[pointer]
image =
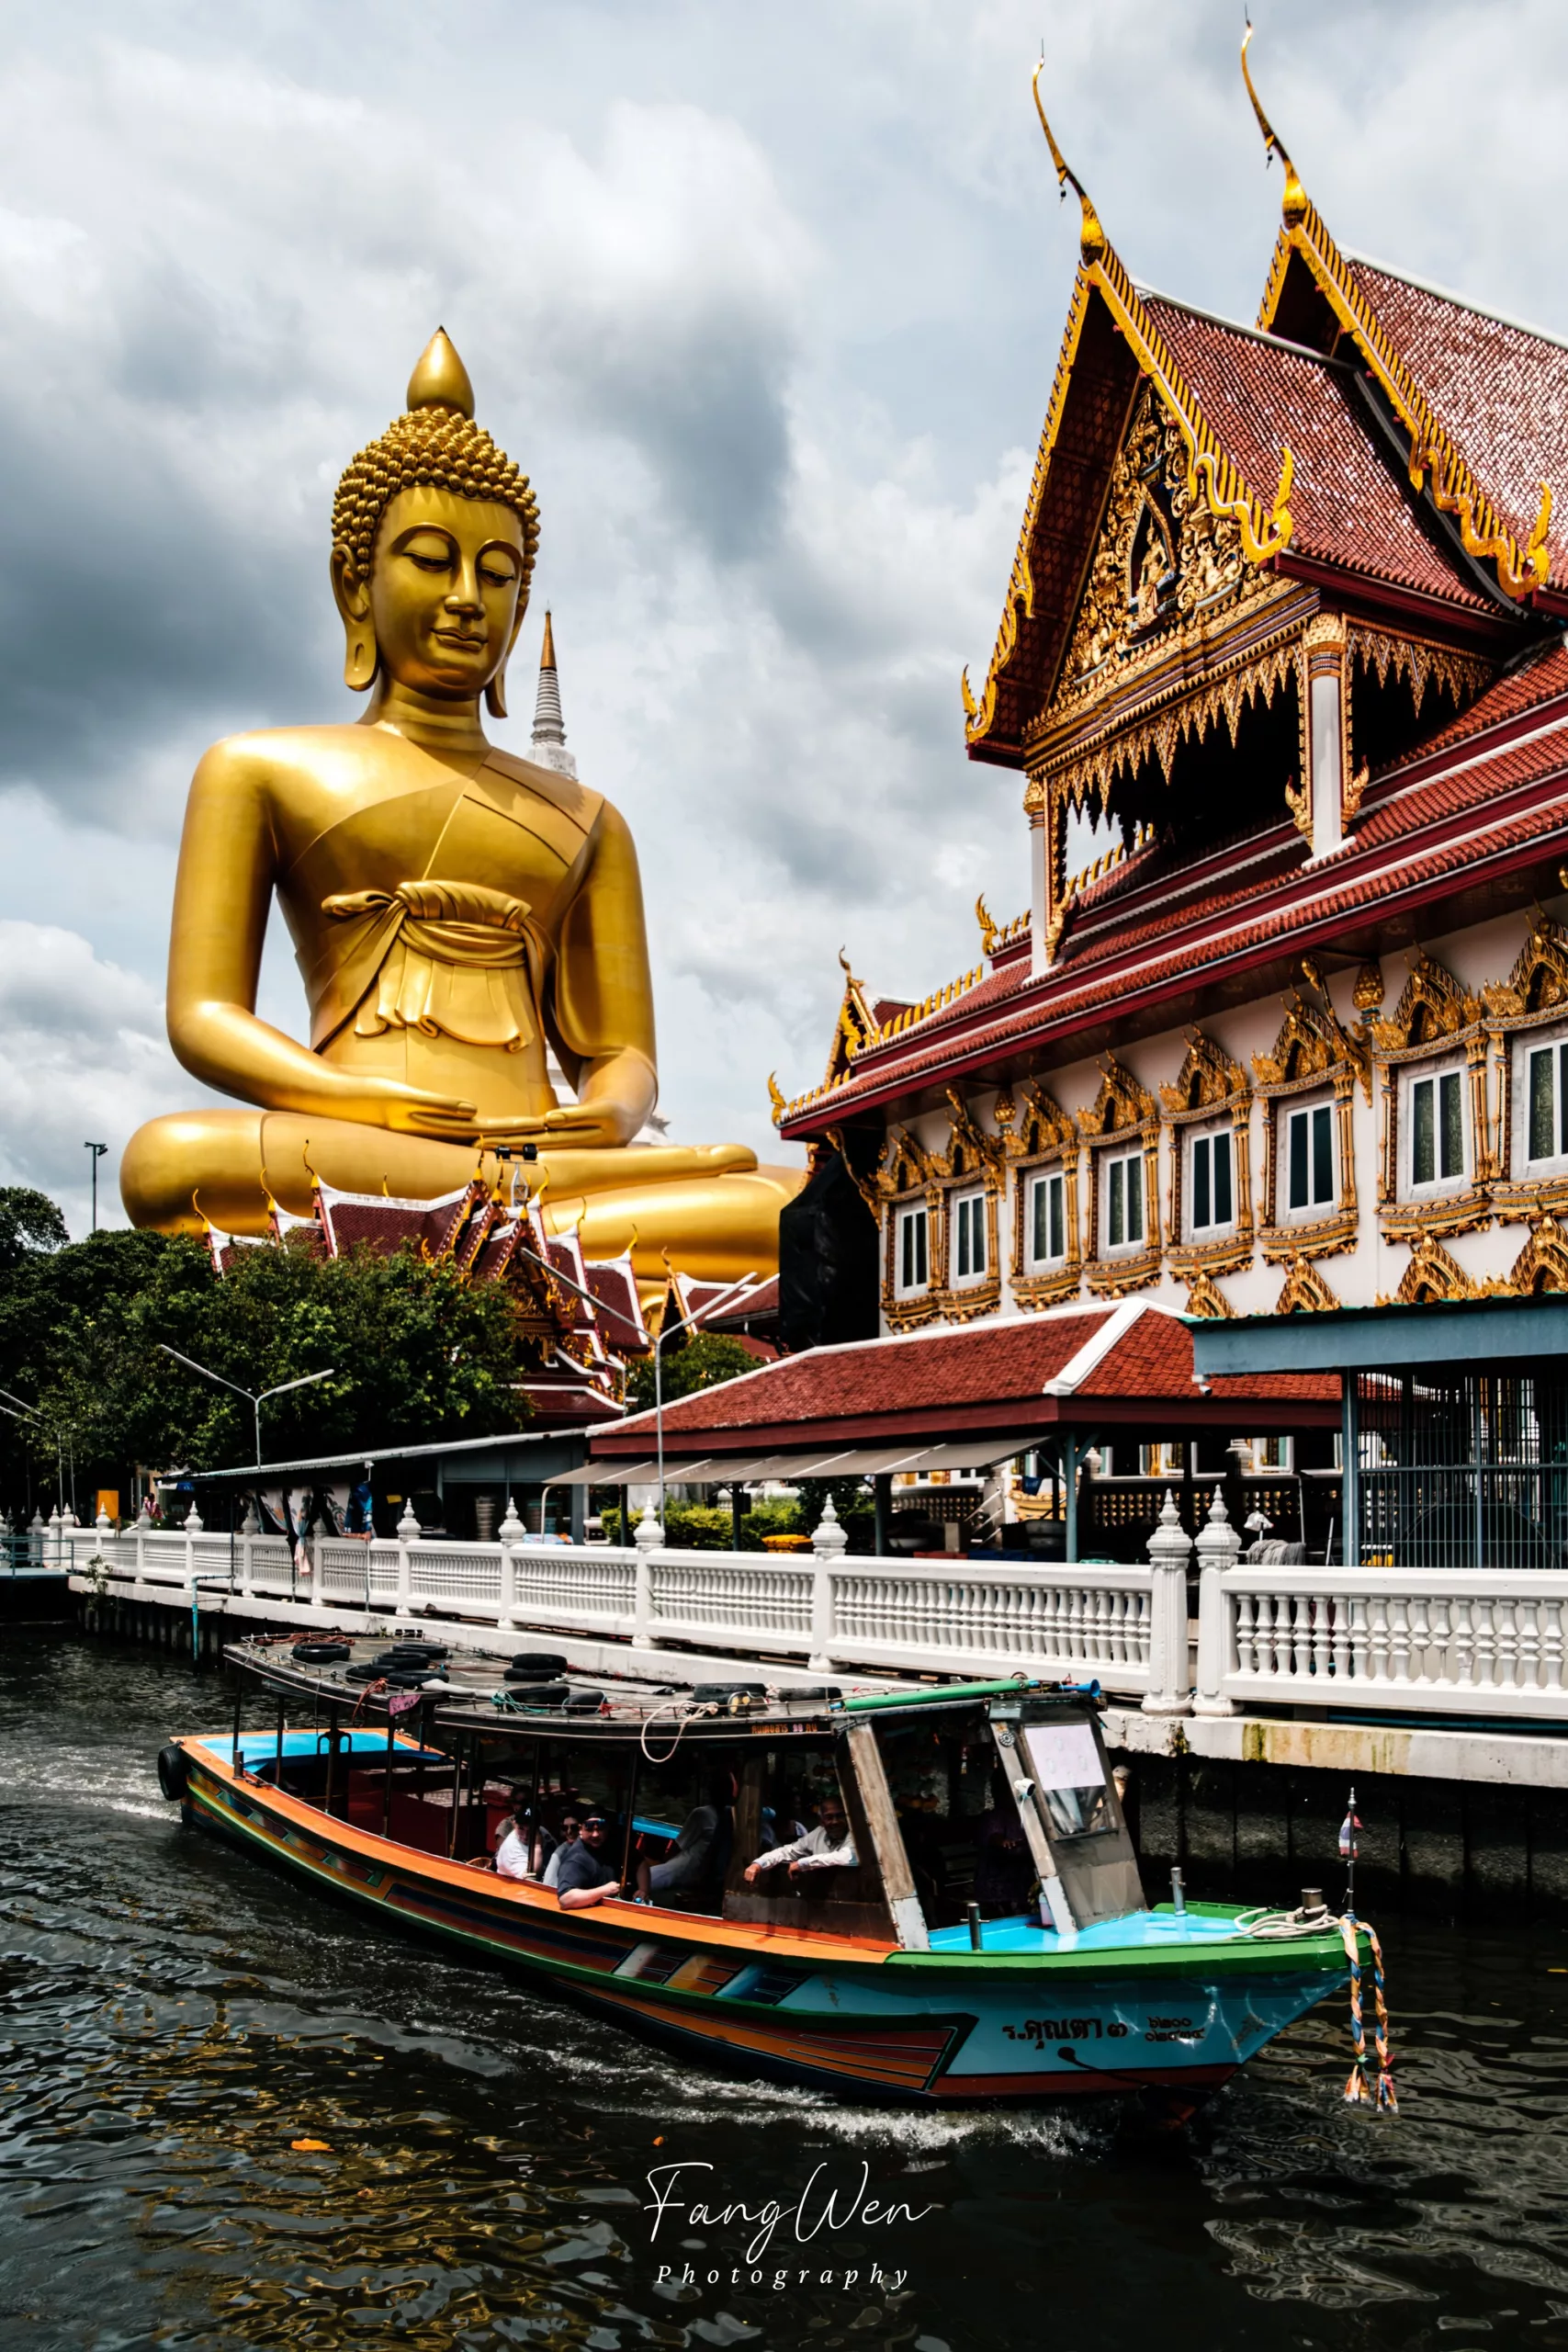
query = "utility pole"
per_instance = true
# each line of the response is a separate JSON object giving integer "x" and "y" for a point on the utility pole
{"x": 97, "y": 1150}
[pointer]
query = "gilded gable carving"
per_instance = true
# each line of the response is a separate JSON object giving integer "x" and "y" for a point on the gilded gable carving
{"x": 1543, "y": 1263}
{"x": 1305, "y": 1291}
{"x": 1208, "y": 1080}
{"x": 971, "y": 1152}
{"x": 1538, "y": 981}
{"x": 1432, "y": 1006}
{"x": 1162, "y": 555}
{"x": 1043, "y": 1126}
{"x": 1208, "y": 1301}
{"x": 1120, "y": 1104}
{"x": 1433, "y": 1277}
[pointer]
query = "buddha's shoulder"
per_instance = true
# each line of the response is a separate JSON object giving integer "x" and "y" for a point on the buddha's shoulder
{"x": 562, "y": 792}
{"x": 267, "y": 753}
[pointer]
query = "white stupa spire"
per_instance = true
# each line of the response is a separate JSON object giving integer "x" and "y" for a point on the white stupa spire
{"x": 548, "y": 745}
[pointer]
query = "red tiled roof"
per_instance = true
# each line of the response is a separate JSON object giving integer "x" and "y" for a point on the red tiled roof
{"x": 1425, "y": 830}
{"x": 1499, "y": 390}
{"x": 1262, "y": 396}
{"x": 976, "y": 1375}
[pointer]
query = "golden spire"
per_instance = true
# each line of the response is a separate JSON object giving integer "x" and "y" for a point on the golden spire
{"x": 547, "y": 650}
{"x": 1295, "y": 203}
{"x": 440, "y": 379}
{"x": 1091, "y": 236}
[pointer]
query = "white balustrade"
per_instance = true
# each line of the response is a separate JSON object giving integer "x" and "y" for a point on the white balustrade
{"x": 1399, "y": 1641}
{"x": 1426, "y": 1641}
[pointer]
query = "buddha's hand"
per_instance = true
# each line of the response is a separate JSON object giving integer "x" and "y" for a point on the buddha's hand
{"x": 584, "y": 1124}
{"x": 409, "y": 1111}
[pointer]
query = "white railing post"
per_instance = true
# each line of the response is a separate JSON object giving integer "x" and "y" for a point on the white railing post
{"x": 53, "y": 1542}
{"x": 647, "y": 1537}
{"x": 1170, "y": 1682}
{"x": 193, "y": 1529}
{"x": 407, "y": 1533}
{"x": 828, "y": 1545}
{"x": 1218, "y": 1547}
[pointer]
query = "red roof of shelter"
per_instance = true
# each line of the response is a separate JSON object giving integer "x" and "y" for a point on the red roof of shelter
{"x": 983, "y": 1376}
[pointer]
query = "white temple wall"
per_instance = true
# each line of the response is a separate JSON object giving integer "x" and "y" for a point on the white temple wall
{"x": 1356, "y": 1263}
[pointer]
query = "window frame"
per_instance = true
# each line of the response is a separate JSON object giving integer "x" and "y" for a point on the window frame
{"x": 904, "y": 1218}
{"x": 966, "y": 1217}
{"x": 1310, "y": 1109}
{"x": 1432, "y": 1071}
{"x": 1123, "y": 1156}
{"x": 1038, "y": 1182}
{"x": 1527, "y": 1045}
{"x": 1218, "y": 1228}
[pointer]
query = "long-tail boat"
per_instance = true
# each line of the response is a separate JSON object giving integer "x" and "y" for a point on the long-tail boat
{"x": 882, "y": 1975}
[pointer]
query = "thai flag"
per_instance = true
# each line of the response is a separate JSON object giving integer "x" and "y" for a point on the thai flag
{"x": 1348, "y": 1829}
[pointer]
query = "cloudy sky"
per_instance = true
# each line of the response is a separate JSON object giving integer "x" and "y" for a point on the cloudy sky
{"x": 766, "y": 301}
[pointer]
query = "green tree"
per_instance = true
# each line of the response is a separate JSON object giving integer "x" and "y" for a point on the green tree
{"x": 29, "y": 1221}
{"x": 415, "y": 1352}
{"x": 704, "y": 1361}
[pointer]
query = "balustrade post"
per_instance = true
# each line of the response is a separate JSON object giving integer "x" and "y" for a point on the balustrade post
{"x": 1218, "y": 1548}
{"x": 1170, "y": 1678}
{"x": 828, "y": 1545}
{"x": 407, "y": 1533}
{"x": 648, "y": 1536}
{"x": 193, "y": 1524}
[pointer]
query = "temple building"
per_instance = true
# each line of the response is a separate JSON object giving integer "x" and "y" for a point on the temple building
{"x": 1284, "y": 642}
{"x": 574, "y": 1348}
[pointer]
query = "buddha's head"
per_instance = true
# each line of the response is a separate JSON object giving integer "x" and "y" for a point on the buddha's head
{"x": 434, "y": 532}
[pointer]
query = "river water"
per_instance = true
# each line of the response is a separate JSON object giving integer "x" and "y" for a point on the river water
{"x": 176, "y": 2019}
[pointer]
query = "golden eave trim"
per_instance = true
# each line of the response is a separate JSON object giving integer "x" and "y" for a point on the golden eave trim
{"x": 1454, "y": 489}
{"x": 1210, "y": 475}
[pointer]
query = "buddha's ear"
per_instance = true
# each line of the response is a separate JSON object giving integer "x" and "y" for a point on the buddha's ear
{"x": 362, "y": 655}
{"x": 495, "y": 692}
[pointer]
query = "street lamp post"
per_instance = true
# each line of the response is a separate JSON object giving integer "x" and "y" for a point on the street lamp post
{"x": 255, "y": 1400}
{"x": 97, "y": 1150}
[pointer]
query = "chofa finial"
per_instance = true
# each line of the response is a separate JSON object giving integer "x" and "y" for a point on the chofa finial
{"x": 1295, "y": 203}
{"x": 440, "y": 379}
{"x": 1091, "y": 236}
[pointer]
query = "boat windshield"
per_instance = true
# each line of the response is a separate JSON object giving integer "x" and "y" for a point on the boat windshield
{"x": 1070, "y": 1773}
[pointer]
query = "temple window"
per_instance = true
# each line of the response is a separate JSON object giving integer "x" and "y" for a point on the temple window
{"x": 1542, "y": 1089}
{"x": 969, "y": 1252}
{"x": 1211, "y": 1184}
{"x": 1122, "y": 1174}
{"x": 1047, "y": 1220}
{"x": 913, "y": 1248}
{"x": 1309, "y": 1159}
{"x": 1434, "y": 1127}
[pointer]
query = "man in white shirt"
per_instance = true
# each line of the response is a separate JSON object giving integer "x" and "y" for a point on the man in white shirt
{"x": 828, "y": 1847}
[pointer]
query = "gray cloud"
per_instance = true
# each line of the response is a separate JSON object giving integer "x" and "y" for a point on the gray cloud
{"x": 767, "y": 303}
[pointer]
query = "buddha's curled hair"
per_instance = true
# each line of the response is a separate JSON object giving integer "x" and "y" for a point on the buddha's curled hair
{"x": 438, "y": 447}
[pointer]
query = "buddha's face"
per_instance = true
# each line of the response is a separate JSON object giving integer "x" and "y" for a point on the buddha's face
{"x": 443, "y": 589}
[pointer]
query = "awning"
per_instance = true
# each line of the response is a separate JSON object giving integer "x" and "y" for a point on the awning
{"x": 757, "y": 1469}
{"x": 678, "y": 1469}
{"x": 975, "y": 1454}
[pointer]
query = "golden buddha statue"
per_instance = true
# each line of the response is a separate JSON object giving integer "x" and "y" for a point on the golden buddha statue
{"x": 455, "y": 910}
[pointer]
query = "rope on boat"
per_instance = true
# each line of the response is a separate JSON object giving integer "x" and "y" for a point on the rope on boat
{"x": 1360, "y": 2086}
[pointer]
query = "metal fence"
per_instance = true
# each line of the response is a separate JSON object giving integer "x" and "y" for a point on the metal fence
{"x": 1463, "y": 1470}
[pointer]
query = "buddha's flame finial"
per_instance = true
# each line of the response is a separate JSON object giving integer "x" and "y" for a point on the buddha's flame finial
{"x": 1091, "y": 236}
{"x": 1296, "y": 202}
{"x": 440, "y": 379}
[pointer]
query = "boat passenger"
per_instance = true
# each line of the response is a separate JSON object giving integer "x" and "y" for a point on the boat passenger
{"x": 828, "y": 1847}
{"x": 585, "y": 1876}
{"x": 511, "y": 1854}
{"x": 570, "y": 1830}
{"x": 517, "y": 1822}
{"x": 686, "y": 1867}
{"x": 1004, "y": 1869}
